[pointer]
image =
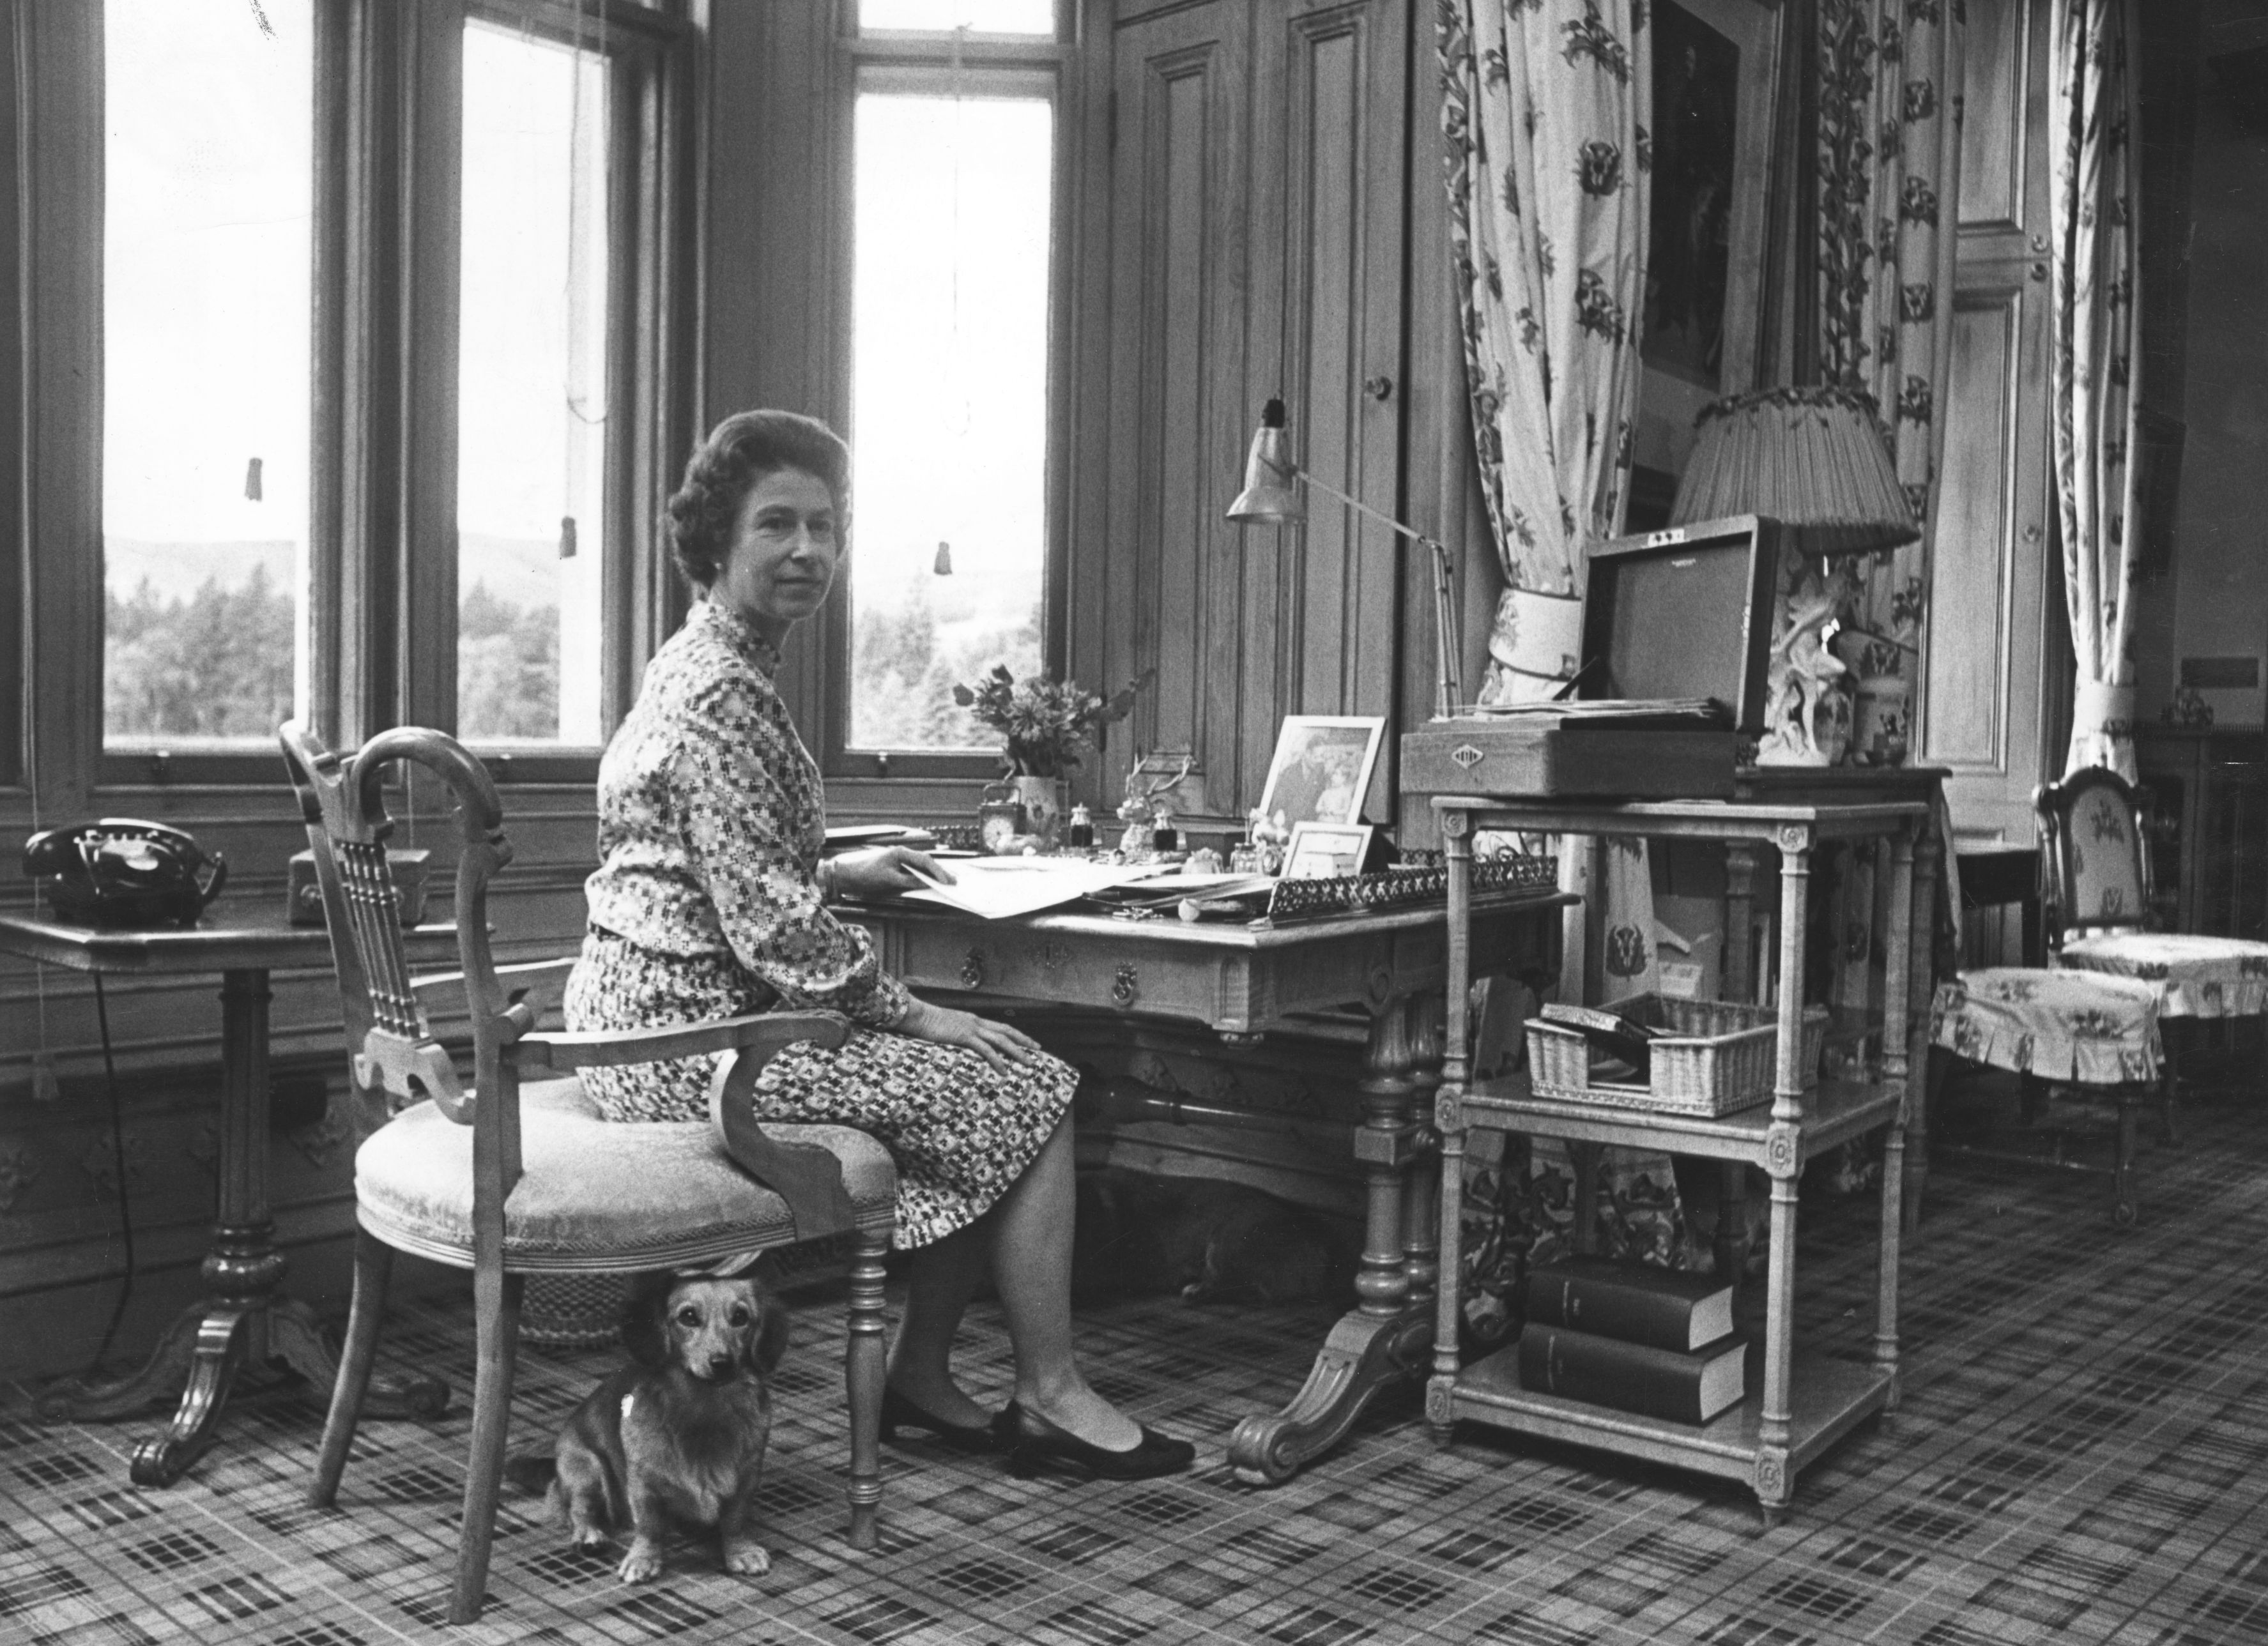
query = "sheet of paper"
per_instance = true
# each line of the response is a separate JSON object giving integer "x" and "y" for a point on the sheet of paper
{"x": 997, "y": 887}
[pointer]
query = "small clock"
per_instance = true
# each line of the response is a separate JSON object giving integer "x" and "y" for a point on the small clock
{"x": 997, "y": 821}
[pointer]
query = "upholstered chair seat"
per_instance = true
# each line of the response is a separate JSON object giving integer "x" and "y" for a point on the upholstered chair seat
{"x": 2084, "y": 1029}
{"x": 2194, "y": 976}
{"x": 594, "y": 1197}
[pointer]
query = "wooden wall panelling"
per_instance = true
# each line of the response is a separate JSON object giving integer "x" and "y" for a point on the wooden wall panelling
{"x": 1986, "y": 713}
{"x": 58, "y": 51}
{"x": 1330, "y": 176}
{"x": 1982, "y": 716}
{"x": 777, "y": 136}
{"x": 1172, "y": 564}
{"x": 1259, "y": 197}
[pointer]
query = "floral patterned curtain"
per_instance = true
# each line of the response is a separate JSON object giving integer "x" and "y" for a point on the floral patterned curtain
{"x": 2095, "y": 387}
{"x": 1544, "y": 112}
{"x": 1545, "y": 105}
{"x": 1889, "y": 171}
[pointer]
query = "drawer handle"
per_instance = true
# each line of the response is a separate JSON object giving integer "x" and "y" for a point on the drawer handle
{"x": 972, "y": 969}
{"x": 1126, "y": 988}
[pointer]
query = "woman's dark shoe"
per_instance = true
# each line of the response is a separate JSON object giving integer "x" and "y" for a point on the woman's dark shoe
{"x": 1040, "y": 1445}
{"x": 899, "y": 1413}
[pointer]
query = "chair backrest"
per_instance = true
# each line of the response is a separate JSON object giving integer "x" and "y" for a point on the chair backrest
{"x": 2097, "y": 873}
{"x": 389, "y": 1041}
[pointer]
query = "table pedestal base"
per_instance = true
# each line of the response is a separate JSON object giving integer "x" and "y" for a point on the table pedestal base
{"x": 1363, "y": 1355}
{"x": 199, "y": 1355}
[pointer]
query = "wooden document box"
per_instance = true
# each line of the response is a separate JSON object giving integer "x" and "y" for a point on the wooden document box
{"x": 1545, "y": 754}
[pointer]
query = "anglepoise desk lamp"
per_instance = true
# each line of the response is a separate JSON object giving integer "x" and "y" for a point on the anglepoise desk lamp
{"x": 1271, "y": 497}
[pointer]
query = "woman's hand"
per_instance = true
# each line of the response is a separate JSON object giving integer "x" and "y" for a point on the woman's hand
{"x": 998, "y": 1044}
{"x": 883, "y": 871}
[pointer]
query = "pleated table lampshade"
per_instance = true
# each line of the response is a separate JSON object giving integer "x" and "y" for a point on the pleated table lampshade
{"x": 1814, "y": 459}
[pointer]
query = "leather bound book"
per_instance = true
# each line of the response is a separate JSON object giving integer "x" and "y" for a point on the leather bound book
{"x": 1689, "y": 1386}
{"x": 1637, "y": 1303}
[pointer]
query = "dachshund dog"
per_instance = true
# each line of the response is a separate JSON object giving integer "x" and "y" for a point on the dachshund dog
{"x": 681, "y": 1429}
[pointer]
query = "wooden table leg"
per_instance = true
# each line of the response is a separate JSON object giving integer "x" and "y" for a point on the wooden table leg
{"x": 1921, "y": 985}
{"x": 1774, "y": 1478}
{"x": 244, "y": 1319}
{"x": 1386, "y": 1337}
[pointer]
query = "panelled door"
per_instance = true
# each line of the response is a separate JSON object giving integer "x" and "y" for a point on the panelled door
{"x": 1256, "y": 249}
{"x": 1986, "y": 715}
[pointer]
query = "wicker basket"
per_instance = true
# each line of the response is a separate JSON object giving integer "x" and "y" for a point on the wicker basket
{"x": 1718, "y": 1058}
{"x": 572, "y": 1310}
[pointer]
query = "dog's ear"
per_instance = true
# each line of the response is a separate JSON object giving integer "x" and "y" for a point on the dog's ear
{"x": 644, "y": 1312}
{"x": 769, "y": 1342}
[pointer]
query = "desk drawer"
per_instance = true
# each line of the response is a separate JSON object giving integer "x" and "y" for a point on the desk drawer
{"x": 1068, "y": 968}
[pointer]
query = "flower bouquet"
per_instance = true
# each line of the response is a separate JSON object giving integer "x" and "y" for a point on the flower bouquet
{"x": 1046, "y": 726}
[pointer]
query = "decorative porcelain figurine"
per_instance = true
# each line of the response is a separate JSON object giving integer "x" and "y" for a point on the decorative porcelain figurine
{"x": 1801, "y": 679}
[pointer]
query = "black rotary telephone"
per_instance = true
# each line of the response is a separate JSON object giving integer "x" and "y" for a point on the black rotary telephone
{"x": 124, "y": 873}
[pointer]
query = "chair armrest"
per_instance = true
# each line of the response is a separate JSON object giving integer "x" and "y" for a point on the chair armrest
{"x": 766, "y": 1034}
{"x": 808, "y": 1176}
{"x": 540, "y": 983}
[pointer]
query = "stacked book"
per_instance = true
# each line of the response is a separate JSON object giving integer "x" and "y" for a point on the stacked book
{"x": 1634, "y": 1337}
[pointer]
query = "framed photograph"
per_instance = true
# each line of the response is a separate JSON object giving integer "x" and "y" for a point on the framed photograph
{"x": 1324, "y": 851}
{"x": 1322, "y": 769}
{"x": 1716, "y": 67}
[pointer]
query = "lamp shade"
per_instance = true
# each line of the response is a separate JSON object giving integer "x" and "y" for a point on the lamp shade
{"x": 1268, "y": 497}
{"x": 1813, "y": 458}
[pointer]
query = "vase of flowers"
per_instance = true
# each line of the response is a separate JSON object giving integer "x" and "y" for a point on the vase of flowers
{"x": 1047, "y": 728}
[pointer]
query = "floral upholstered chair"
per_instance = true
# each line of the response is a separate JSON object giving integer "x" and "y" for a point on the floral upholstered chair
{"x": 2081, "y": 1029}
{"x": 2098, "y": 912}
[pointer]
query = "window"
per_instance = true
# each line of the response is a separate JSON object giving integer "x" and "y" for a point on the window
{"x": 955, "y": 185}
{"x": 207, "y": 261}
{"x": 948, "y": 407}
{"x": 989, "y": 17}
{"x": 533, "y": 390}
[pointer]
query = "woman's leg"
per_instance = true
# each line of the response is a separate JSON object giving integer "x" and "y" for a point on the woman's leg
{"x": 939, "y": 1283}
{"x": 1032, "y": 1227}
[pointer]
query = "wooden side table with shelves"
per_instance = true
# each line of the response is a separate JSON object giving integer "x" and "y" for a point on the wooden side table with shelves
{"x": 1802, "y": 1405}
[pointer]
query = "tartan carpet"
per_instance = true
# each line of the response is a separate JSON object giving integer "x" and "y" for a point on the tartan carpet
{"x": 2081, "y": 1456}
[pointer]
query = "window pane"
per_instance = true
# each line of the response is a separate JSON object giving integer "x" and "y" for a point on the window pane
{"x": 531, "y": 391}
{"x": 986, "y": 17}
{"x": 949, "y": 407}
{"x": 207, "y": 344}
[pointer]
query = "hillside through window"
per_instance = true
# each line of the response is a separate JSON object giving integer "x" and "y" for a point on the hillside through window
{"x": 949, "y": 407}
{"x": 531, "y": 391}
{"x": 207, "y": 351}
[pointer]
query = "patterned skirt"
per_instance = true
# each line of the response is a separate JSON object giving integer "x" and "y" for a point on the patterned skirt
{"x": 959, "y": 1130}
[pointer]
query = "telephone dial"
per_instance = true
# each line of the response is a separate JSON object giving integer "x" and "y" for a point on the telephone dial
{"x": 124, "y": 873}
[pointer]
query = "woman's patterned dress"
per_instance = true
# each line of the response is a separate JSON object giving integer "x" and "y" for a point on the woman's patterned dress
{"x": 705, "y": 905}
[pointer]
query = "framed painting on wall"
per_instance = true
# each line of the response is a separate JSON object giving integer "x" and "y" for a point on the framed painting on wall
{"x": 1716, "y": 71}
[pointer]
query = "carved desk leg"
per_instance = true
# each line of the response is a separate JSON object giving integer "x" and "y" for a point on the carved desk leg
{"x": 1385, "y": 1338}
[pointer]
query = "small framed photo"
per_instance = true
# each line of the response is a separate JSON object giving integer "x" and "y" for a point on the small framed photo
{"x": 1322, "y": 769}
{"x": 1326, "y": 851}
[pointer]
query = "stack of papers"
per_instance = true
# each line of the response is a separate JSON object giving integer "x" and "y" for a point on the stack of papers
{"x": 997, "y": 887}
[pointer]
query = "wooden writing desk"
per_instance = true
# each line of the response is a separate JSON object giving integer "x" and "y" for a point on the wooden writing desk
{"x": 245, "y": 1316}
{"x": 1244, "y": 983}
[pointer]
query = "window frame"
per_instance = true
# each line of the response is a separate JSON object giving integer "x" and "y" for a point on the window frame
{"x": 908, "y": 62}
{"x": 381, "y": 627}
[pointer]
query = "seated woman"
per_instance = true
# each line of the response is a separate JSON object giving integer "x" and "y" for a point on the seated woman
{"x": 710, "y": 901}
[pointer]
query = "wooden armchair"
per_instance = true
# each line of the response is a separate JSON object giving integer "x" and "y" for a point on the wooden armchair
{"x": 513, "y": 1176}
{"x": 2097, "y": 910}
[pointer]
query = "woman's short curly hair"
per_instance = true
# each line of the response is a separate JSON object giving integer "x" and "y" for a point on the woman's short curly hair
{"x": 705, "y": 510}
